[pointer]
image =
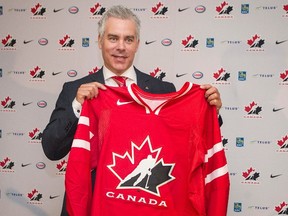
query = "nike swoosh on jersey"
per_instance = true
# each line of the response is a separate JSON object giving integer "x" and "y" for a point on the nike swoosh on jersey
{"x": 149, "y": 42}
{"x": 279, "y": 42}
{"x": 57, "y": 10}
{"x": 120, "y": 103}
{"x": 274, "y": 176}
{"x": 182, "y": 9}
{"x": 180, "y": 75}
{"x": 276, "y": 110}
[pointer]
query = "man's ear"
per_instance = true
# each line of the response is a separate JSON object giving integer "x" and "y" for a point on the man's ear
{"x": 99, "y": 42}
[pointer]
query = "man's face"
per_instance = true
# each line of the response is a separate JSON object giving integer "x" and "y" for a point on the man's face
{"x": 118, "y": 44}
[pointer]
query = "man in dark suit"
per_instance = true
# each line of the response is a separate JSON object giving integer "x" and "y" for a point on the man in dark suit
{"x": 118, "y": 40}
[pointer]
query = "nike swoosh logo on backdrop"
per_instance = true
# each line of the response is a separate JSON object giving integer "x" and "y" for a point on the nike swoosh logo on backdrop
{"x": 279, "y": 42}
{"x": 274, "y": 176}
{"x": 120, "y": 103}
{"x": 26, "y": 42}
{"x": 56, "y": 73}
{"x": 182, "y": 9}
{"x": 25, "y": 104}
{"x": 53, "y": 197}
{"x": 57, "y": 10}
{"x": 24, "y": 165}
{"x": 180, "y": 75}
{"x": 149, "y": 42}
{"x": 276, "y": 110}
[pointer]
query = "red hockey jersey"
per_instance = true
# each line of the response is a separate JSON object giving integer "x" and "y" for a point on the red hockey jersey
{"x": 155, "y": 154}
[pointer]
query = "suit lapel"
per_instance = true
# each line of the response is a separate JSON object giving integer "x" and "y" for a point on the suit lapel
{"x": 98, "y": 76}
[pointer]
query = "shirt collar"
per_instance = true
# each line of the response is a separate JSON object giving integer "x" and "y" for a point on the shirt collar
{"x": 129, "y": 73}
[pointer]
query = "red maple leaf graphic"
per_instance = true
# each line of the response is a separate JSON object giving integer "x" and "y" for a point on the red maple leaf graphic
{"x": 94, "y": 9}
{"x": 155, "y": 9}
{"x": 249, "y": 108}
{"x": 281, "y": 142}
{"x": 32, "y": 134}
{"x": 254, "y": 38}
{"x": 62, "y": 41}
{"x": 30, "y": 195}
{"x": 246, "y": 174}
{"x": 282, "y": 205}
{"x": 61, "y": 165}
{"x": 3, "y": 103}
{"x": 5, "y": 40}
{"x": 34, "y": 10}
{"x": 185, "y": 42}
{"x": 284, "y": 75}
{"x": 94, "y": 70}
{"x": 220, "y": 8}
{"x": 33, "y": 72}
{"x": 218, "y": 74}
{"x": 285, "y": 7}
{"x": 153, "y": 74}
{"x": 2, "y": 163}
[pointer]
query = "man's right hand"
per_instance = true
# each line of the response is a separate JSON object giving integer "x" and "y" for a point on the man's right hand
{"x": 88, "y": 91}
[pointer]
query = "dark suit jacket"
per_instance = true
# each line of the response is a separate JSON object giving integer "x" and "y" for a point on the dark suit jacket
{"x": 58, "y": 134}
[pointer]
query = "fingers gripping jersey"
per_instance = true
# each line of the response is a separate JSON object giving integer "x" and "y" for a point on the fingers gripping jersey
{"x": 155, "y": 154}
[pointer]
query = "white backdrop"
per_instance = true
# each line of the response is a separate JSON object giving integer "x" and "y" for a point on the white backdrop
{"x": 238, "y": 46}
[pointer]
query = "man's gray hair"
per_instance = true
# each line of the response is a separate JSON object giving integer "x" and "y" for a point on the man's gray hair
{"x": 120, "y": 12}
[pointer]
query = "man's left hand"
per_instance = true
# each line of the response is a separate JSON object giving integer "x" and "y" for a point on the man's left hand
{"x": 212, "y": 95}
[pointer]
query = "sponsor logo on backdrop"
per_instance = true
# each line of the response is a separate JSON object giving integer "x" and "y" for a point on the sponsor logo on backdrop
{"x": 138, "y": 9}
{"x": 14, "y": 194}
{"x": 41, "y": 104}
{"x": 0, "y": 133}
{"x": 190, "y": 43}
{"x": 242, "y": 75}
{"x": 244, "y": 8}
{"x": 180, "y": 74}
{"x": 224, "y": 11}
{"x": 159, "y": 11}
{"x": 261, "y": 142}
{"x": 255, "y": 43}
{"x": 37, "y": 74}
{"x": 85, "y": 42}
{"x": 27, "y": 41}
{"x": 266, "y": 7}
{"x": 166, "y": 42}
{"x": 66, "y": 43}
{"x": 97, "y": 11}
{"x": 224, "y": 142}
{"x": 16, "y": 134}
{"x": 17, "y": 10}
{"x": 25, "y": 164}
{"x": 94, "y": 70}
{"x": 56, "y": 10}
{"x": 183, "y": 9}
{"x": 237, "y": 207}
{"x": 231, "y": 42}
{"x": 73, "y": 10}
{"x": 284, "y": 78}
{"x": 282, "y": 208}
{"x": 258, "y": 208}
{"x": 280, "y": 42}
{"x": 250, "y": 176}
{"x": 263, "y": 76}
{"x": 285, "y": 8}
{"x": 230, "y": 108}
{"x": 35, "y": 136}
{"x": 72, "y": 73}
{"x": 38, "y": 12}
{"x": 1, "y": 73}
{"x": 41, "y": 165}
{"x": 6, "y": 165}
{"x": 34, "y": 197}
{"x": 253, "y": 111}
{"x": 283, "y": 144}
{"x": 240, "y": 142}
{"x": 210, "y": 42}
{"x": 197, "y": 75}
{"x": 1, "y": 10}
{"x": 7, "y": 105}
{"x": 61, "y": 167}
{"x": 43, "y": 41}
{"x": 221, "y": 77}
{"x": 200, "y": 9}
{"x": 9, "y": 43}
{"x": 158, "y": 73}
{"x": 149, "y": 42}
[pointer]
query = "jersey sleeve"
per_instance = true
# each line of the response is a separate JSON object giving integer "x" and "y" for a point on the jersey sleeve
{"x": 215, "y": 167}
{"x": 78, "y": 183}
